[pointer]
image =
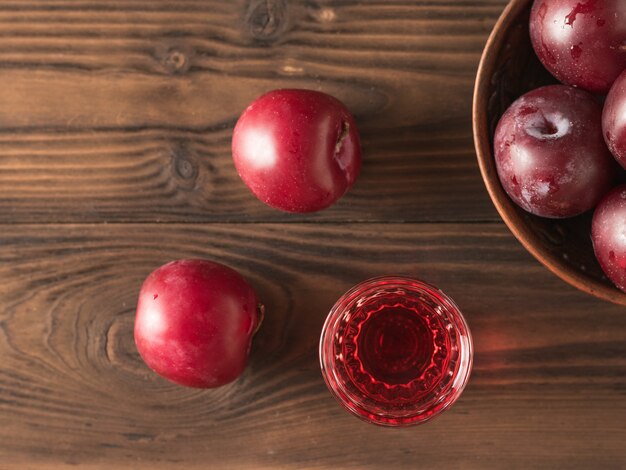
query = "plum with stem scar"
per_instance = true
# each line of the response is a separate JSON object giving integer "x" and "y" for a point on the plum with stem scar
{"x": 550, "y": 154}
{"x": 297, "y": 150}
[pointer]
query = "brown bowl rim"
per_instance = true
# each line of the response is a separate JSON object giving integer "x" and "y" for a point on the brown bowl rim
{"x": 503, "y": 204}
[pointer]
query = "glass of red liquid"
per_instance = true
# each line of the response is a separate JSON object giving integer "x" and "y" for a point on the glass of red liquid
{"x": 395, "y": 351}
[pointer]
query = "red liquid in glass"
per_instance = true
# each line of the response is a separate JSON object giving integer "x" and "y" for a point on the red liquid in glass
{"x": 395, "y": 352}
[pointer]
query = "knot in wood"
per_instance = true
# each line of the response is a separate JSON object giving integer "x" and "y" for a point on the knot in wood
{"x": 184, "y": 166}
{"x": 266, "y": 19}
{"x": 175, "y": 61}
{"x": 119, "y": 345}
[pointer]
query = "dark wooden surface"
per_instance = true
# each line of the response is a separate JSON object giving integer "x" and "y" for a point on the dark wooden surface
{"x": 115, "y": 122}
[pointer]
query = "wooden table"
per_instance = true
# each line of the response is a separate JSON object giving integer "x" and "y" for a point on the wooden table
{"x": 115, "y": 125}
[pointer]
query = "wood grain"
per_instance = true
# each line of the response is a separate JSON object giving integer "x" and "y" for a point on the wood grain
{"x": 115, "y": 132}
{"x": 123, "y": 110}
{"x": 548, "y": 388}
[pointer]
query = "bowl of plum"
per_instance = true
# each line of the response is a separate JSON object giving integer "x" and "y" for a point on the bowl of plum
{"x": 549, "y": 118}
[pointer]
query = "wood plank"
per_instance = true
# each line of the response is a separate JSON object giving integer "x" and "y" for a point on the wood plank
{"x": 153, "y": 175}
{"x": 548, "y": 388}
{"x": 100, "y": 98}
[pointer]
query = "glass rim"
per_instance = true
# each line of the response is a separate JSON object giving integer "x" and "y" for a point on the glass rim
{"x": 348, "y": 400}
